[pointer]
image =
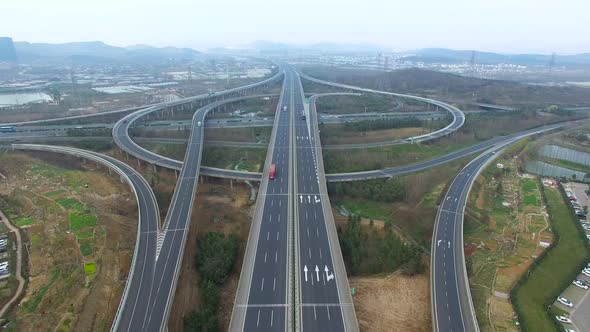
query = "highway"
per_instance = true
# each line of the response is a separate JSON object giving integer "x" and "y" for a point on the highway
{"x": 452, "y": 307}
{"x": 262, "y": 299}
{"x": 325, "y": 302}
{"x": 457, "y": 114}
{"x": 150, "y": 311}
{"x": 143, "y": 264}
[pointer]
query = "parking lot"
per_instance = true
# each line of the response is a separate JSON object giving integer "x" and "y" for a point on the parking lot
{"x": 580, "y": 313}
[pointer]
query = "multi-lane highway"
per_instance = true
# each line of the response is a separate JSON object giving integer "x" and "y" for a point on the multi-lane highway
{"x": 452, "y": 307}
{"x": 262, "y": 298}
{"x": 143, "y": 264}
{"x": 325, "y": 302}
{"x": 293, "y": 235}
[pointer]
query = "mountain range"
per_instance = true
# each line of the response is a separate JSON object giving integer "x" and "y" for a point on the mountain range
{"x": 89, "y": 52}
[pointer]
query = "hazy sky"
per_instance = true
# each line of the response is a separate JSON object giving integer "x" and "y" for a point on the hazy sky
{"x": 561, "y": 26}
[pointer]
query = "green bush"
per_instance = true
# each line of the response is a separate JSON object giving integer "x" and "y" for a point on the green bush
{"x": 216, "y": 256}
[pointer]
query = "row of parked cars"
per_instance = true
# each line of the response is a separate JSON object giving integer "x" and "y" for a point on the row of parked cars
{"x": 581, "y": 283}
{"x": 3, "y": 247}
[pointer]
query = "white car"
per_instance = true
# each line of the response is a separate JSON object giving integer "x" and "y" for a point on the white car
{"x": 563, "y": 319}
{"x": 199, "y": 123}
{"x": 586, "y": 272}
{"x": 580, "y": 284}
{"x": 565, "y": 302}
{"x": 588, "y": 236}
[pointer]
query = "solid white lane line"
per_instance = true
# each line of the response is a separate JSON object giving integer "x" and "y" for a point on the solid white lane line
{"x": 309, "y": 252}
{"x": 315, "y": 315}
{"x": 320, "y": 253}
{"x": 258, "y": 319}
{"x": 328, "y": 308}
{"x": 272, "y": 312}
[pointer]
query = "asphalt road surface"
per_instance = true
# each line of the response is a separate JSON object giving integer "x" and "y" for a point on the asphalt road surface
{"x": 262, "y": 299}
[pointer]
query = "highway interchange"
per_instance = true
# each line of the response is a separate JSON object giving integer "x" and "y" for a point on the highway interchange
{"x": 293, "y": 275}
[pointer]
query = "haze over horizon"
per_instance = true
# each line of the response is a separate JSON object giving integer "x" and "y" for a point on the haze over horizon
{"x": 526, "y": 26}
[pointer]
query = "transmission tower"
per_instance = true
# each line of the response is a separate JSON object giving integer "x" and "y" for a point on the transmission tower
{"x": 552, "y": 62}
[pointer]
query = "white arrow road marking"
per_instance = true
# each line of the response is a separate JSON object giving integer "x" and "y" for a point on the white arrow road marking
{"x": 329, "y": 276}
{"x": 449, "y": 244}
{"x": 308, "y": 199}
{"x": 305, "y": 270}
{"x": 301, "y": 198}
{"x": 317, "y": 272}
{"x": 317, "y": 200}
{"x": 438, "y": 243}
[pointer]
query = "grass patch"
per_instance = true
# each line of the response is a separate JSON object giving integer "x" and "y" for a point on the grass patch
{"x": 529, "y": 186}
{"x": 86, "y": 249}
{"x": 87, "y": 234}
{"x": 48, "y": 171}
{"x": 554, "y": 271}
{"x": 365, "y": 208}
{"x": 32, "y": 305}
{"x": 530, "y": 200}
{"x": 70, "y": 203}
{"x": 23, "y": 221}
{"x": 90, "y": 268}
{"x": 79, "y": 221}
{"x": 54, "y": 192}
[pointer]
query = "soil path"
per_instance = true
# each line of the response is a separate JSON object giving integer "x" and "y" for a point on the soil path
{"x": 19, "y": 256}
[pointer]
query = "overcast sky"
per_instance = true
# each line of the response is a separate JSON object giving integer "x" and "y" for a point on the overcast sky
{"x": 561, "y": 26}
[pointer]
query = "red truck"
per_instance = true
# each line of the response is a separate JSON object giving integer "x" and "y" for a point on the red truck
{"x": 272, "y": 173}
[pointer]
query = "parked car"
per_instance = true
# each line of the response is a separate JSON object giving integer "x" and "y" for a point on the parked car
{"x": 565, "y": 302}
{"x": 586, "y": 272}
{"x": 563, "y": 319}
{"x": 580, "y": 284}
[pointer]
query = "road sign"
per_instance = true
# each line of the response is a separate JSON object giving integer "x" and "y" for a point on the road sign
{"x": 353, "y": 290}
{"x": 307, "y": 100}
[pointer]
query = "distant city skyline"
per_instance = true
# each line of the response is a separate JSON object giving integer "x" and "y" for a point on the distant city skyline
{"x": 505, "y": 26}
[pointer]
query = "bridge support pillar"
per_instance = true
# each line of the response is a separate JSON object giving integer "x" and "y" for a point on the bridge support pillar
{"x": 231, "y": 183}
{"x": 138, "y": 163}
{"x": 154, "y": 167}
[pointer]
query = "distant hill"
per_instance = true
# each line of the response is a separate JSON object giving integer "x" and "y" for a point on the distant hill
{"x": 442, "y": 55}
{"x": 94, "y": 52}
{"x": 269, "y": 47}
{"x": 7, "y": 50}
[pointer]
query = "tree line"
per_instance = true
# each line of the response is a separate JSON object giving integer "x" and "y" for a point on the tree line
{"x": 214, "y": 261}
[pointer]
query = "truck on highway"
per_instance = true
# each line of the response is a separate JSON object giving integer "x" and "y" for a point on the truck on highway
{"x": 272, "y": 172}
{"x": 284, "y": 108}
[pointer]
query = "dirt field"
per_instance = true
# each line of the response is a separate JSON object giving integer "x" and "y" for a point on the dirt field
{"x": 217, "y": 208}
{"x": 392, "y": 303}
{"x": 77, "y": 266}
{"x": 507, "y": 227}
